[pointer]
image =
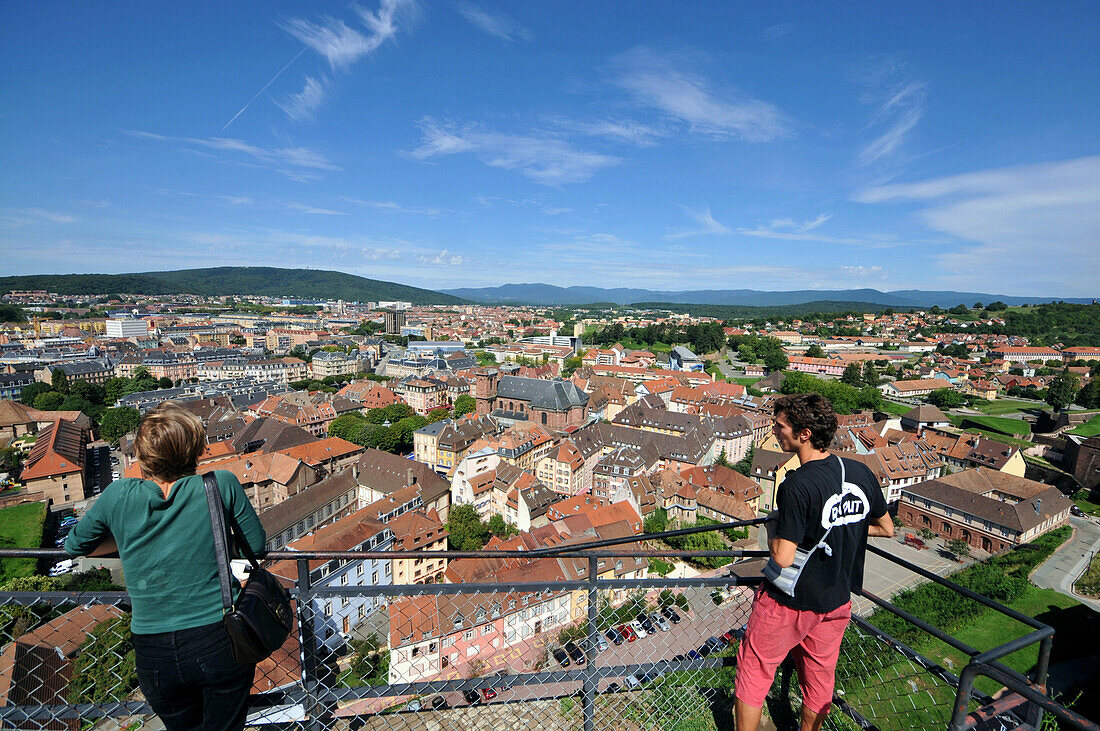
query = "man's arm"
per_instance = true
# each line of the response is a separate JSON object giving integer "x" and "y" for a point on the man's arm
{"x": 882, "y": 526}
{"x": 781, "y": 549}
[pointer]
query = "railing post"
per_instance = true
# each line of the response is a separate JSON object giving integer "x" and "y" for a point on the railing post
{"x": 591, "y": 681}
{"x": 306, "y": 645}
{"x": 1035, "y": 711}
{"x": 962, "y": 698}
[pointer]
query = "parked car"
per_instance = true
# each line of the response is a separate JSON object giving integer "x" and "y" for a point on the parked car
{"x": 660, "y": 621}
{"x": 713, "y": 644}
{"x": 560, "y": 656}
{"x": 575, "y": 653}
{"x": 738, "y": 632}
{"x": 615, "y": 635}
{"x": 68, "y": 522}
{"x": 728, "y": 638}
{"x": 115, "y": 475}
{"x": 1074, "y": 510}
{"x": 62, "y": 567}
{"x": 437, "y": 702}
{"x": 695, "y": 655}
{"x": 472, "y": 697}
{"x": 601, "y": 643}
{"x": 631, "y": 682}
{"x": 414, "y": 705}
{"x": 488, "y": 693}
{"x": 671, "y": 614}
{"x": 647, "y": 625}
{"x": 638, "y": 628}
{"x": 627, "y": 632}
{"x": 612, "y": 688}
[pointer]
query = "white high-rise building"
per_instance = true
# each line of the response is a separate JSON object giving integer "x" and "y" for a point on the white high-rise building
{"x": 122, "y": 327}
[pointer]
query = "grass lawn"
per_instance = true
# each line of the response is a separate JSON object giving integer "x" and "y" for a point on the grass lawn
{"x": 1088, "y": 506}
{"x": 1089, "y": 429}
{"x": 744, "y": 380}
{"x": 1089, "y": 583}
{"x": 896, "y": 409}
{"x": 21, "y": 526}
{"x": 1004, "y": 406}
{"x": 1003, "y": 439}
{"x": 1001, "y": 424}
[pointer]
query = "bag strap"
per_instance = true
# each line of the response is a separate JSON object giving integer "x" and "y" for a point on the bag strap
{"x": 221, "y": 549}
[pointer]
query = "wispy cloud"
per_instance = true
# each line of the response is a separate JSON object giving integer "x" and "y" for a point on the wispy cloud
{"x": 302, "y": 105}
{"x": 1007, "y": 217}
{"x": 443, "y": 258}
{"x": 44, "y": 215}
{"x": 708, "y": 226}
{"x": 542, "y": 158}
{"x": 394, "y": 207}
{"x": 630, "y": 132}
{"x": 497, "y": 25}
{"x": 340, "y": 44}
{"x": 294, "y": 162}
{"x": 787, "y": 229}
{"x": 899, "y": 105}
{"x": 667, "y": 84}
{"x": 301, "y": 208}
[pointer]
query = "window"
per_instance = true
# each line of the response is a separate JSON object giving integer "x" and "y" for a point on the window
{"x": 359, "y": 570}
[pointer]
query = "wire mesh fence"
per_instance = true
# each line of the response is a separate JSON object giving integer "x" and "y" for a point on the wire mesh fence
{"x": 589, "y": 641}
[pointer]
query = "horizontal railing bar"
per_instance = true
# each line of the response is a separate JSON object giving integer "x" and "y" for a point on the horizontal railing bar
{"x": 566, "y": 552}
{"x": 1036, "y": 694}
{"x": 968, "y": 593}
{"x": 654, "y": 536}
{"x": 1013, "y": 645}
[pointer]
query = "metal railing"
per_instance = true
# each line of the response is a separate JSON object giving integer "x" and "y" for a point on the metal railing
{"x": 514, "y": 652}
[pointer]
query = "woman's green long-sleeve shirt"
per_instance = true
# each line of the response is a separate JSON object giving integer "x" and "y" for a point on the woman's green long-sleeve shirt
{"x": 166, "y": 546}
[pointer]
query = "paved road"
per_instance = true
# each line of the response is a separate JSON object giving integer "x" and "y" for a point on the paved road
{"x": 884, "y": 578}
{"x": 1068, "y": 563}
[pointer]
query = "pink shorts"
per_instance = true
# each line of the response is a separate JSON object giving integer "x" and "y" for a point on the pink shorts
{"x": 812, "y": 639}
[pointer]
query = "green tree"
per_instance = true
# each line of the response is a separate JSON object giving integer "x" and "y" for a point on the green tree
{"x": 500, "y": 528}
{"x": 853, "y": 375}
{"x": 776, "y": 360}
{"x": 104, "y": 669}
{"x": 1061, "y": 391}
{"x": 384, "y": 438}
{"x": 438, "y": 415}
{"x": 404, "y": 429}
{"x": 656, "y": 522}
{"x": 745, "y": 353}
{"x": 870, "y": 375}
{"x": 722, "y": 459}
{"x": 1089, "y": 396}
{"x": 59, "y": 381}
{"x": 815, "y": 351}
{"x": 997, "y": 306}
{"x": 570, "y": 366}
{"x": 945, "y": 398}
{"x": 959, "y": 547}
{"x": 465, "y": 529}
{"x": 118, "y": 422}
{"x": 165, "y": 382}
{"x": 744, "y": 465}
{"x": 464, "y": 404}
{"x": 347, "y": 426}
{"x": 49, "y": 401}
{"x": 33, "y": 391}
{"x": 114, "y": 389}
{"x": 92, "y": 392}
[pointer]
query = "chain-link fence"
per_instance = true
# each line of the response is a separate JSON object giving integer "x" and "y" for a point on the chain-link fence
{"x": 573, "y": 639}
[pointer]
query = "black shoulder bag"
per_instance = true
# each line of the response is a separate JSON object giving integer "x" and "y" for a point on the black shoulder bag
{"x": 261, "y": 620}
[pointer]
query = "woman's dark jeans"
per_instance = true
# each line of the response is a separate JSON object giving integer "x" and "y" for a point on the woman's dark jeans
{"x": 191, "y": 680}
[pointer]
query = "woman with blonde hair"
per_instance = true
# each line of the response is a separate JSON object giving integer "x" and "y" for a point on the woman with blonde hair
{"x": 161, "y": 525}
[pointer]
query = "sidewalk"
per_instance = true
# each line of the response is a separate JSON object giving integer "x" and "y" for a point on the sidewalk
{"x": 1067, "y": 564}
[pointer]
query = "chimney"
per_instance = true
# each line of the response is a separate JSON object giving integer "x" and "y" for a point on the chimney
{"x": 355, "y": 470}
{"x": 410, "y": 477}
{"x": 1038, "y": 505}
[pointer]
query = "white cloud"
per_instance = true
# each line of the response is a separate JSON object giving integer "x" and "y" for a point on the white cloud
{"x": 294, "y": 162}
{"x": 51, "y": 216}
{"x": 662, "y": 83}
{"x": 394, "y": 207}
{"x": 1028, "y": 226}
{"x": 443, "y": 258}
{"x": 302, "y": 105}
{"x": 634, "y": 133}
{"x": 542, "y": 158}
{"x": 899, "y": 106}
{"x": 315, "y": 211}
{"x": 787, "y": 229}
{"x": 500, "y": 26}
{"x": 342, "y": 45}
{"x": 706, "y": 221}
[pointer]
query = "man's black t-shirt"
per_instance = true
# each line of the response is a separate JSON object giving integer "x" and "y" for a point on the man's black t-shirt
{"x": 809, "y": 502}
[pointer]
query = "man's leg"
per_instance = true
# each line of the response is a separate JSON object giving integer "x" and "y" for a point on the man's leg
{"x": 770, "y": 634}
{"x": 816, "y": 657}
{"x": 747, "y": 717}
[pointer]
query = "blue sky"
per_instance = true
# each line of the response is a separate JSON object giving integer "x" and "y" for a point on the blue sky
{"x": 667, "y": 145}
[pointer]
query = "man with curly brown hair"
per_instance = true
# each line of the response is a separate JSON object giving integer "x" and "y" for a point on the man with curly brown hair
{"x": 817, "y": 537}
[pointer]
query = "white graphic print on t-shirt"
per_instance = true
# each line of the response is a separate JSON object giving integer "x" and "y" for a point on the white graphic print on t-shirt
{"x": 850, "y": 506}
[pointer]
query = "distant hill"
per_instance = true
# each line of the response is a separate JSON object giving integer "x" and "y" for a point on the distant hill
{"x": 215, "y": 281}
{"x": 548, "y": 294}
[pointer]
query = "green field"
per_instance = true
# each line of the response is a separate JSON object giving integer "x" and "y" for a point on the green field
{"x": 1000, "y": 424}
{"x": 1089, "y": 429}
{"x": 896, "y": 409}
{"x": 744, "y": 380}
{"x": 21, "y": 527}
{"x": 1004, "y": 406}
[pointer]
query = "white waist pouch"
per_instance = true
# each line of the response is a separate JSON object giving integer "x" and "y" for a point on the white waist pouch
{"x": 850, "y": 506}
